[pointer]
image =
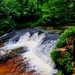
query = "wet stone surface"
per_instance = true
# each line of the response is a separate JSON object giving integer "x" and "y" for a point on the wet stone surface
{"x": 13, "y": 66}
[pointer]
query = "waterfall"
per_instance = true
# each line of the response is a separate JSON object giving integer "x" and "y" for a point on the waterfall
{"x": 37, "y": 46}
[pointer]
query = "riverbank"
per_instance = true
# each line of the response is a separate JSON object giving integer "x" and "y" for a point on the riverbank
{"x": 50, "y": 29}
{"x": 64, "y": 52}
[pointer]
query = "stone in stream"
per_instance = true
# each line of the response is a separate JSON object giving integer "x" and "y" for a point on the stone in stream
{"x": 6, "y": 55}
{"x": 12, "y": 67}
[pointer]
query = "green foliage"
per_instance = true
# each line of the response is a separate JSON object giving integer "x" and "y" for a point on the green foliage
{"x": 30, "y": 13}
{"x": 18, "y": 14}
{"x": 55, "y": 54}
{"x": 59, "y": 11}
{"x": 6, "y": 25}
{"x": 64, "y": 61}
{"x": 60, "y": 73}
{"x": 67, "y": 33}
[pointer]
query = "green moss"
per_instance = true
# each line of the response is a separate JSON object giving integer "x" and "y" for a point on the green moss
{"x": 55, "y": 55}
{"x": 63, "y": 62}
{"x": 67, "y": 33}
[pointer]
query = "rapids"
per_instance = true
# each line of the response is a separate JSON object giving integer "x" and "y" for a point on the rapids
{"x": 37, "y": 45}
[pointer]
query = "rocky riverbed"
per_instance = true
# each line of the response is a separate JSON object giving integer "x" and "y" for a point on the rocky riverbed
{"x": 12, "y": 64}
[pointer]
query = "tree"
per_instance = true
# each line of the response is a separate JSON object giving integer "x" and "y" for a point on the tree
{"x": 59, "y": 11}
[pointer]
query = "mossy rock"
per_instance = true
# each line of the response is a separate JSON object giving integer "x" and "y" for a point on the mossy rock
{"x": 67, "y": 33}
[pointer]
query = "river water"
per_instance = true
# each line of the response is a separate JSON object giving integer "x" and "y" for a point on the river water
{"x": 36, "y": 46}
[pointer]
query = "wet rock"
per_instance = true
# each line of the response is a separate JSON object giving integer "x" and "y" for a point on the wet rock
{"x": 1, "y": 44}
{"x": 6, "y": 57}
{"x": 11, "y": 67}
{"x": 20, "y": 50}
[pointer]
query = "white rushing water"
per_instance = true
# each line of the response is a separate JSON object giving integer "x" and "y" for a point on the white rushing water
{"x": 38, "y": 54}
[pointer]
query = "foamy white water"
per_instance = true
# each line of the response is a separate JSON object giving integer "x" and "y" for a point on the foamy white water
{"x": 38, "y": 54}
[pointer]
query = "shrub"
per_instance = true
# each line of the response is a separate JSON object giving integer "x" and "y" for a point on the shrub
{"x": 60, "y": 72}
{"x": 63, "y": 62}
{"x": 67, "y": 33}
{"x": 6, "y": 24}
{"x": 55, "y": 55}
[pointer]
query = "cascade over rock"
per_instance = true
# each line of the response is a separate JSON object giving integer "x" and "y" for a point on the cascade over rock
{"x": 36, "y": 46}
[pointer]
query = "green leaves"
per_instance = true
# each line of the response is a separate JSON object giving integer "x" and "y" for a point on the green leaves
{"x": 64, "y": 62}
{"x": 67, "y": 33}
{"x": 37, "y": 12}
{"x": 62, "y": 10}
{"x": 60, "y": 73}
{"x": 55, "y": 55}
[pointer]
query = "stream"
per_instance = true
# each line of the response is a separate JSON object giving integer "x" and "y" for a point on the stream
{"x": 34, "y": 47}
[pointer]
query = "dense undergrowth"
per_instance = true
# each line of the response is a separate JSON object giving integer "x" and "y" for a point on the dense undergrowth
{"x": 64, "y": 59}
{"x": 64, "y": 63}
{"x": 31, "y": 13}
{"x": 66, "y": 34}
